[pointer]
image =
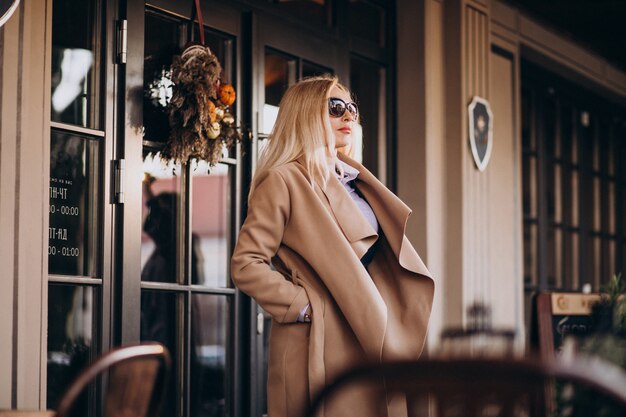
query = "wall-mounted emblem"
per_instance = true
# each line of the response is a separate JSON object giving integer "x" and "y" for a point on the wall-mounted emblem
{"x": 480, "y": 131}
{"x": 7, "y": 7}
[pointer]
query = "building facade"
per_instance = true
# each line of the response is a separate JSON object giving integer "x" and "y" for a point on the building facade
{"x": 104, "y": 244}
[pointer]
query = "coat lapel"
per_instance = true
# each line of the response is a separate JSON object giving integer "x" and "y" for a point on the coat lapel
{"x": 348, "y": 216}
{"x": 392, "y": 215}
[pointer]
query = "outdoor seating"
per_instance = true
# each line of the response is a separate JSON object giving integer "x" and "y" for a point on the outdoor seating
{"x": 134, "y": 381}
{"x": 488, "y": 387}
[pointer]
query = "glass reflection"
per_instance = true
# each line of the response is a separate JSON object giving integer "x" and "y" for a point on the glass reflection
{"x": 367, "y": 81}
{"x": 161, "y": 201}
{"x": 73, "y": 52}
{"x": 210, "y": 225}
{"x": 159, "y": 323}
{"x": 209, "y": 337}
{"x": 71, "y": 316}
{"x": 162, "y": 36}
{"x": 280, "y": 73}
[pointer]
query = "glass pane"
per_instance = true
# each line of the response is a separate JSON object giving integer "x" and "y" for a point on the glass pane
{"x": 573, "y": 185}
{"x": 549, "y": 126}
{"x": 210, "y": 226}
{"x": 550, "y": 258}
{"x": 73, "y": 313}
{"x": 160, "y": 323}
{"x": 210, "y": 319}
{"x": 596, "y": 264}
{"x": 529, "y": 186}
{"x": 74, "y": 200}
{"x": 367, "y": 21}
{"x": 575, "y": 259}
{"x": 310, "y": 69}
{"x": 162, "y": 39}
{"x": 567, "y": 139}
{"x": 224, "y": 49}
{"x": 608, "y": 133}
{"x": 160, "y": 241}
{"x": 597, "y": 203}
{"x": 567, "y": 260}
{"x": 611, "y": 267}
{"x": 558, "y": 195}
{"x": 75, "y": 79}
{"x": 611, "y": 208}
{"x": 528, "y": 135}
{"x": 558, "y": 258}
{"x": 315, "y": 12}
{"x": 367, "y": 82}
{"x": 530, "y": 254}
{"x": 551, "y": 191}
{"x": 280, "y": 73}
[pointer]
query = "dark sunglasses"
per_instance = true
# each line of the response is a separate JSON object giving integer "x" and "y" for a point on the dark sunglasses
{"x": 337, "y": 107}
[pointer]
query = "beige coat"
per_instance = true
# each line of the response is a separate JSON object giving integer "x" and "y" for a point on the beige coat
{"x": 315, "y": 239}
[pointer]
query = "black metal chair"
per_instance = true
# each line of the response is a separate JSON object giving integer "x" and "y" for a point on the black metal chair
{"x": 487, "y": 388}
{"x": 135, "y": 382}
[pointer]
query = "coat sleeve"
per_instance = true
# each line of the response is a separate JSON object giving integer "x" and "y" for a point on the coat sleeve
{"x": 259, "y": 239}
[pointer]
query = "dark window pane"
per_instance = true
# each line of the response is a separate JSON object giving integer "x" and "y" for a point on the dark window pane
{"x": 367, "y": 82}
{"x": 310, "y": 69}
{"x": 210, "y": 319}
{"x": 528, "y": 134}
{"x": 210, "y": 226}
{"x": 367, "y": 21}
{"x": 568, "y": 153}
{"x": 73, "y": 313}
{"x": 74, "y": 201}
{"x": 310, "y": 11}
{"x": 162, "y": 42}
{"x": 160, "y": 323}
{"x": 530, "y": 254}
{"x": 280, "y": 73}
{"x": 74, "y": 54}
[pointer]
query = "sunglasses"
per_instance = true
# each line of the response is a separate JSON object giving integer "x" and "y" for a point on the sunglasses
{"x": 337, "y": 107}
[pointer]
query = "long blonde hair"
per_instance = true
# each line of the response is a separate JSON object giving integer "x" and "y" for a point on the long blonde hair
{"x": 302, "y": 129}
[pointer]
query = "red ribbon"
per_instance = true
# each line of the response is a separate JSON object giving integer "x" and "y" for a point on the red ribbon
{"x": 200, "y": 23}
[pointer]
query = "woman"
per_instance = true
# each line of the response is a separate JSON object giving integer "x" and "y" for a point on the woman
{"x": 347, "y": 287}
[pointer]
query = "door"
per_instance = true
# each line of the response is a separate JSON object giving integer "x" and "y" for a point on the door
{"x": 82, "y": 136}
{"x": 179, "y": 220}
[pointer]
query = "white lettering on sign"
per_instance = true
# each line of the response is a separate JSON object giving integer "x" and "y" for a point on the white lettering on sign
{"x": 57, "y": 233}
{"x": 58, "y": 192}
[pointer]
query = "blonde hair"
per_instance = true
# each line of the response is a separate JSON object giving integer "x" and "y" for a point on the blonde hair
{"x": 302, "y": 129}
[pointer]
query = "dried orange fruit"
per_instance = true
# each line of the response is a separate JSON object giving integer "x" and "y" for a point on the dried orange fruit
{"x": 227, "y": 94}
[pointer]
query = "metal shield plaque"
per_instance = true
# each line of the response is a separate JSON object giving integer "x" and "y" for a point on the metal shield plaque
{"x": 7, "y": 7}
{"x": 480, "y": 131}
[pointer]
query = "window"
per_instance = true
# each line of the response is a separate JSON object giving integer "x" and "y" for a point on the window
{"x": 77, "y": 142}
{"x": 574, "y": 187}
{"x": 188, "y": 212}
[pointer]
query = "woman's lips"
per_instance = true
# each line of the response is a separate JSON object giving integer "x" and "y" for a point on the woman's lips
{"x": 346, "y": 130}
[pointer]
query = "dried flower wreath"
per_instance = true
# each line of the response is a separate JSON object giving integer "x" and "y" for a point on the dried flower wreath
{"x": 199, "y": 111}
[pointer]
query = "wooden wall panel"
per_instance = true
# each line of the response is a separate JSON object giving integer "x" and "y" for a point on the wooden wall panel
{"x": 24, "y": 174}
{"x": 476, "y": 209}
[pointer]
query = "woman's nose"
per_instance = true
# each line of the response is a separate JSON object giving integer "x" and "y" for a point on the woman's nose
{"x": 347, "y": 116}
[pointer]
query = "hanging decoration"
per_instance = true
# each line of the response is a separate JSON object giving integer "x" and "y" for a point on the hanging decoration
{"x": 199, "y": 106}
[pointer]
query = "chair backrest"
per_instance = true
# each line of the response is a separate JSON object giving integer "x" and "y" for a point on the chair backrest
{"x": 135, "y": 382}
{"x": 482, "y": 387}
